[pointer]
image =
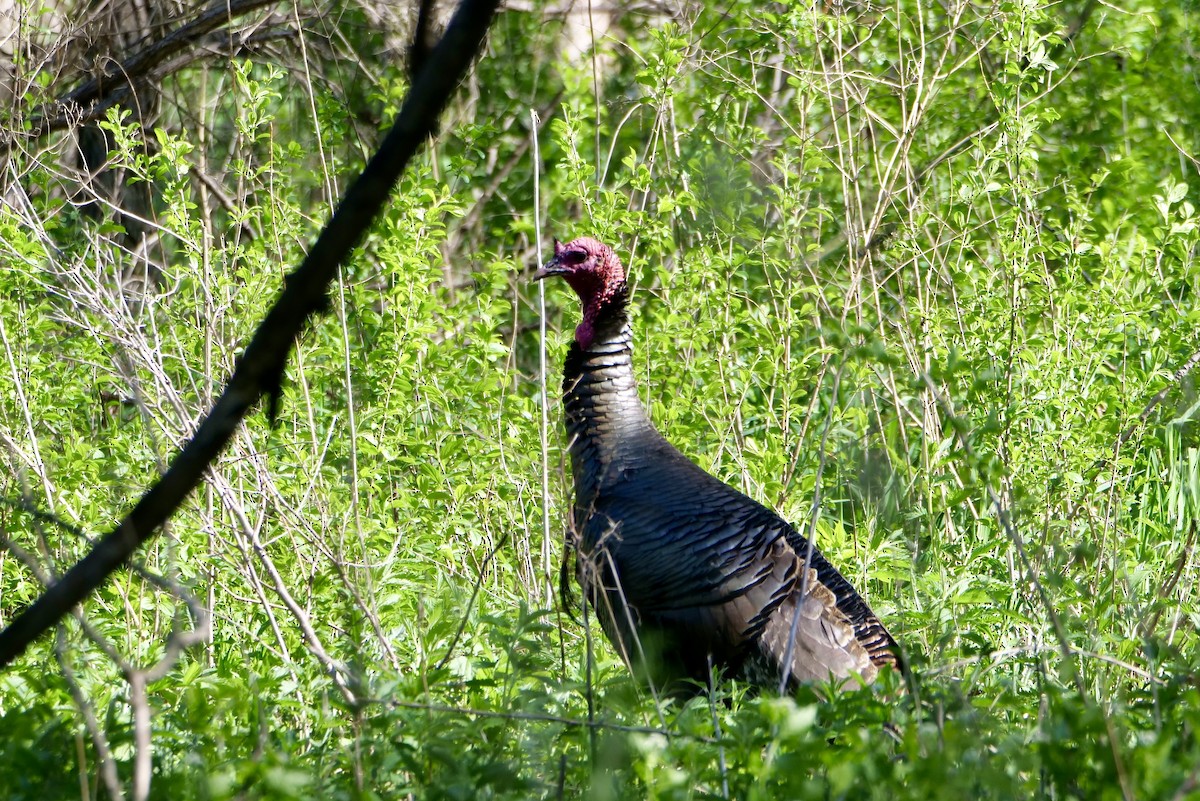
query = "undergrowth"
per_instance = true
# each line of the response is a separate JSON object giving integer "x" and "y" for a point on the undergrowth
{"x": 933, "y": 264}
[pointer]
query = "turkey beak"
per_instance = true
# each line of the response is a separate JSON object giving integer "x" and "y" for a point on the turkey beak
{"x": 552, "y": 267}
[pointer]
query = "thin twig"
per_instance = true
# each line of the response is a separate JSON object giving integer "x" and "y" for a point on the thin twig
{"x": 785, "y": 665}
{"x": 462, "y": 624}
{"x": 543, "y": 376}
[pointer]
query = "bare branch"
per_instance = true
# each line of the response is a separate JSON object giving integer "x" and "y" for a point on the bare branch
{"x": 101, "y": 92}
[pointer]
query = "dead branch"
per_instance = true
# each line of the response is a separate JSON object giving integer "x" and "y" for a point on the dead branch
{"x": 103, "y": 91}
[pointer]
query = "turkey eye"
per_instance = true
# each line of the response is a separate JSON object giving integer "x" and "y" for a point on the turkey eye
{"x": 574, "y": 257}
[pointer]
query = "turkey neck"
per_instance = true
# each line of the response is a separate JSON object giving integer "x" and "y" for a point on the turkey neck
{"x": 606, "y": 424}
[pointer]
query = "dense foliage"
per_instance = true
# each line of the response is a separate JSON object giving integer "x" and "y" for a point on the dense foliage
{"x": 921, "y": 275}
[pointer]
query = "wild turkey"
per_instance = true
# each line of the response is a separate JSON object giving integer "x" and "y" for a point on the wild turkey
{"x": 683, "y": 570}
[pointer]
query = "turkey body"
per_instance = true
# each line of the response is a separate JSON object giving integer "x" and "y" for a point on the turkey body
{"x": 685, "y": 572}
